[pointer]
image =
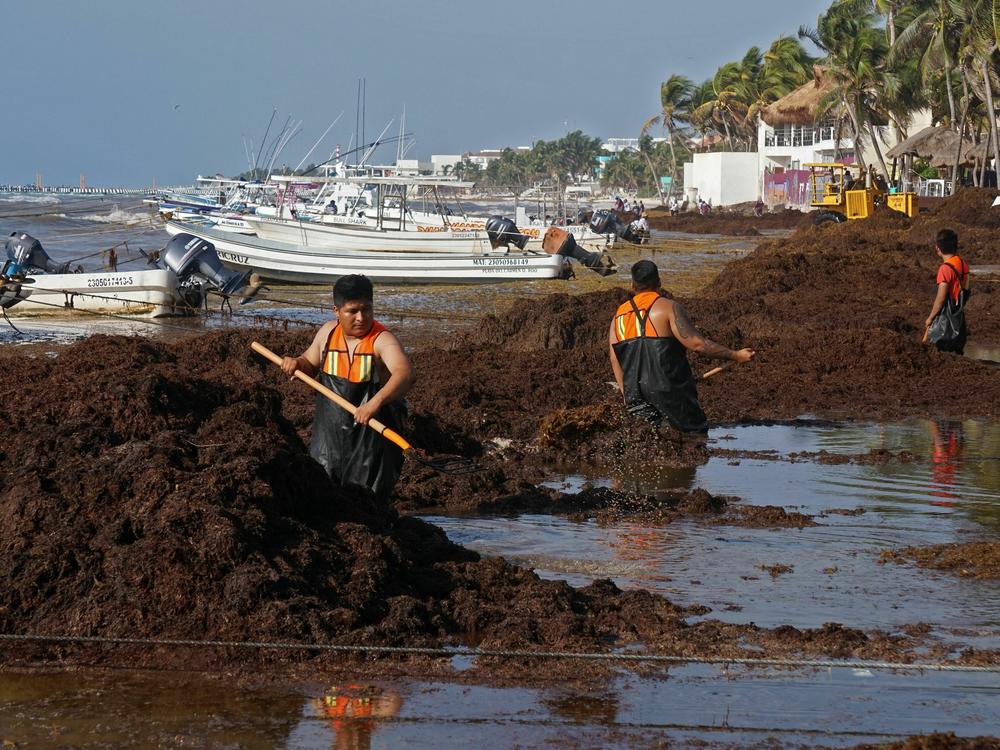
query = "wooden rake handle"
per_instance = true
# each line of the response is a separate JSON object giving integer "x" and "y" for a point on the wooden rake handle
{"x": 381, "y": 429}
{"x": 716, "y": 370}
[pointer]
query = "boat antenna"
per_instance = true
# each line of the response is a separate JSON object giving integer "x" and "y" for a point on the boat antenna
{"x": 344, "y": 154}
{"x": 364, "y": 102}
{"x": 309, "y": 152}
{"x": 357, "y": 113}
{"x": 256, "y": 161}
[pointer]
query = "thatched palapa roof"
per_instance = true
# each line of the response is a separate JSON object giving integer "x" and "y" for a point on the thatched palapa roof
{"x": 938, "y": 144}
{"x": 801, "y": 106}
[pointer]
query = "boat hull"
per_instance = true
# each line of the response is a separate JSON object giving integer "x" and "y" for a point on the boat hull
{"x": 287, "y": 262}
{"x": 426, "y": 238}
{"x": 152, "y": 292}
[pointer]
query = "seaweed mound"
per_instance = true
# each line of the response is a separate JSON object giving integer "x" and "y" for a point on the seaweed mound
{"x": 159, "y": 492}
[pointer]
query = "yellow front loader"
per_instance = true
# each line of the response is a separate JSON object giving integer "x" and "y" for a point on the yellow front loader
{"x": 841, "y": 192}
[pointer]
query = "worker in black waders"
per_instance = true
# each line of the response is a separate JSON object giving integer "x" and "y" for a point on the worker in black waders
{"x": 648, "y": 343}
{"x": 357, "y": 357}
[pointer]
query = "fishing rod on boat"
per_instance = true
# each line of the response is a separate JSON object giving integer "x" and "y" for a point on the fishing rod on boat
{"x": 256, "y": 161}
{"x": 309, "y": 152}
{"x": 386, "y": 142}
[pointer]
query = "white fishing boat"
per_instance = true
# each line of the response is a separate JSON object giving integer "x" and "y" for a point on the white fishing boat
{"x": 176, "y": 283}
{"x": 297, "y": 263}
{"x": 152, "y": 292}
{"x": 382, "y": 219}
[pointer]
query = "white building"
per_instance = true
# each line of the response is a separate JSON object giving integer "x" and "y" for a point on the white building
{"x": 412, "y": 167}
{"x": 723, "y": 178}
{"x": 614, "y": 145}
{"x": 484, "y": 157}
{"x": 441, "y": 163}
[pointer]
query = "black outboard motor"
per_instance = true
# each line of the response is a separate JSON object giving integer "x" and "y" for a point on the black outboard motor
{"x": 194, "y": 259}
{"x": 503, "y": 233}
{"x": 604, "y": 222}
{"x": 28, "y": 253}
{"x": 12, "y": 279}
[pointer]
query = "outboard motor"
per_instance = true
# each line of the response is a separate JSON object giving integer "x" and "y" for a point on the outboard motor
{"x": 194, "y": 260}
{"x": 29, "y": 254}
{"x": 12, "y": 279}
{"x": 503, "y": 233}
{"x": 560, "y": 242}
{"x": 606, "y": 222}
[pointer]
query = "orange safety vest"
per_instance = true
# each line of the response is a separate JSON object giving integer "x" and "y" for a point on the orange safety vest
{"x": 341, "y": 364}
{"x": 626, "y": 323}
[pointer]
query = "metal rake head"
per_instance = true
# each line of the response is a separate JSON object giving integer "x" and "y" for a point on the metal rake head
{"x": 444, "y": 464}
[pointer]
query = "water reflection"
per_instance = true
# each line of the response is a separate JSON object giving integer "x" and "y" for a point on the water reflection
{"x": 353, "y": 713}
{"x": 946, "y": 461}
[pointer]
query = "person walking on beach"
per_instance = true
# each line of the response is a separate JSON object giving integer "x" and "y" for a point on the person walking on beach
{"x": 945, "y": 326}
{"x": 648, "y": 342}
{"x": 358, "y": 358}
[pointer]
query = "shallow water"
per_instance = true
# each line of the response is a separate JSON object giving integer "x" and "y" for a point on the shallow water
{"x": 951, "y": 494}
{"x": 721, "y": 707}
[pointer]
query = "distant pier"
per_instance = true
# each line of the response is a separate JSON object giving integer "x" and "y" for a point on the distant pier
{"x": 70, "y": 190}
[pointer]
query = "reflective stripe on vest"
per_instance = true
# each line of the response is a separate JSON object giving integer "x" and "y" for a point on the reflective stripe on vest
{"x": 340, "y": 363}
{"x": 626, "y": 324}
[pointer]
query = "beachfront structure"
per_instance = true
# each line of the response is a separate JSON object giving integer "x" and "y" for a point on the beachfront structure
{"x": 412, "y": 167}
{"x": 791, "y": 133}
{"x": 723, "y": 178}
{"x": 442, "y": 164}
{"x": 485, "y": 156}
{"x": 614, "y": 145}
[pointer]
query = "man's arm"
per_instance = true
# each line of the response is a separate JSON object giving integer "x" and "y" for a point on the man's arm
{"x": 682, "y": 327}
{"x": 939, "y": 300}
{"x": 308, "y": 361}
{"x": 615, "y": 364}
{"x": 390, "y": 352}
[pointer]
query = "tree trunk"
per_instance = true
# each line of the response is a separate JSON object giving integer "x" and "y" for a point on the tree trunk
{"x": 656, "y": 180}
{"x": 857, "y": 136}
{"x": 951, "y": 94}
{"x": 961, "y": 131}
{"x": 991, "y": 115}
{"x": 673, "y": 160}
{"x": 878, "y": 150}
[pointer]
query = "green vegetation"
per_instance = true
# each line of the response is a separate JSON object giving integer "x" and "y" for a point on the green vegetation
{"x": 881, "y": 60}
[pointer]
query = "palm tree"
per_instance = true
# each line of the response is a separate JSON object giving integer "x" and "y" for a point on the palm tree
{"x": 856, "y": 64}
{"x": 933, "y": 34}
{"x": 675, "y": 108}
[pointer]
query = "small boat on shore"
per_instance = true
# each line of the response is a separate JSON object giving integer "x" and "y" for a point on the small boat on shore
{"x": 176, "y": 283}
{"x": 281, "y": 261}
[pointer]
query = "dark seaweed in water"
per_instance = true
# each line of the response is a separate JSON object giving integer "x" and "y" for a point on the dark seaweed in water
{"x": 158, "y": 491}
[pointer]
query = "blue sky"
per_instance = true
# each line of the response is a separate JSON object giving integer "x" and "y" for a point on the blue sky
{"x": 128, "y": 91}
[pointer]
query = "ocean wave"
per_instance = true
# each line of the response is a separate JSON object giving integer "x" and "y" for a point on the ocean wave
{"x": 45, "y": 200}
{"x": 117, "y": 216}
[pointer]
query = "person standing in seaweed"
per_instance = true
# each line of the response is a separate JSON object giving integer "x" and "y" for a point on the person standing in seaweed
{"x": 358, "y": 358}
